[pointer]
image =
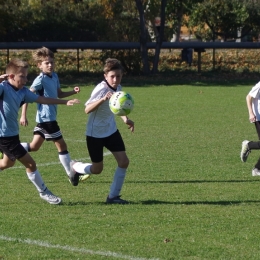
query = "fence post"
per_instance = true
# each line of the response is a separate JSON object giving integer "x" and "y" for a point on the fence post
{"x": 199, "y": 51}
{"x": 7, "y": 57}
{"x": 78, "y": 60}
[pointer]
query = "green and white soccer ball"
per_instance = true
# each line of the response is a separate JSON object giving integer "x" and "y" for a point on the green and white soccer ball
{"x": 121, "y": 103}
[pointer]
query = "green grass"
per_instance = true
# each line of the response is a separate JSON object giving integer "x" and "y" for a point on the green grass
{"x": 191, "y": 196}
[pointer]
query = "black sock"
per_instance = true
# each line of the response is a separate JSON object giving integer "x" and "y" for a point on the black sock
{"x": 254, "y": 145}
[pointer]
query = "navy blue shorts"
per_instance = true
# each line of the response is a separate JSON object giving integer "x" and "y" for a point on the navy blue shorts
{"x": 114, "y": 143}
{"x": 12, "y": 148}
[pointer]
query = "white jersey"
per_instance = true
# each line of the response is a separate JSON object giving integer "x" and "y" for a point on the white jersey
{"x": 255, "y": 94}
{"x": 101, "y": 122}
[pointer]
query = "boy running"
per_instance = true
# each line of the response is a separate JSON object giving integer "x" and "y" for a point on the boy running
{"x": 102, "y": 132}
{"x": 47, "y": 85}
{"x": 13, "y": 95}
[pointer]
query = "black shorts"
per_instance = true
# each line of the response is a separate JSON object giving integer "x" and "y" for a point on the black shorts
{"x": 12, "y": 148}
{"x": 114, "y": 143}
{"x": 50, "y": 131}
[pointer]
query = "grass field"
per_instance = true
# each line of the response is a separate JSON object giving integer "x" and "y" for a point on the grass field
{"x": 191, "y": 196}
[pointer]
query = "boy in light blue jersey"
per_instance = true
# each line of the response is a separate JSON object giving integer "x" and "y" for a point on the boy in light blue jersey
{"x": 13, "y": 95}
{"x": 47, "y": 84}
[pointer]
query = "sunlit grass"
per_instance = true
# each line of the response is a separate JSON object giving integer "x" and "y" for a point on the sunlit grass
{"x": 191, "y": 196}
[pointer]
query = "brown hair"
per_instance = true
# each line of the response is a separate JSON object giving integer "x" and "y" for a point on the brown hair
{"x": 112, "y": 64}
{"x": 41, "y": 54}
{"x": 15, "y": 66}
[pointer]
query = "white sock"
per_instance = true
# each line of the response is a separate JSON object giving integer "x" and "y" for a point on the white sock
{"x": 36, "y": 179}
{"x": 65, "y": 161}
{"x": 118, "y": 182}
{"x": 83, "y": 168}
{"x": 25, "y": 146}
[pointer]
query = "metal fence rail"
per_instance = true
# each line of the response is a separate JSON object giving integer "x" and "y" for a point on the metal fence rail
{"x": 197, "y": 46}
{"x": 129, "y": 45}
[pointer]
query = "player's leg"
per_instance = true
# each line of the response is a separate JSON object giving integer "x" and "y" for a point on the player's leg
{"x": 64, "y": 155}
{"x": 6, "y": 163}
{"x": 35, "y": 177}
{"x": 116, "y": 145}
{"x": 8, "y": 147}
{"x": 37, "y": 141}
{"x": 256, "y": 145}
{"x": 247, "y": 146}
{"x": 80, "y": 171}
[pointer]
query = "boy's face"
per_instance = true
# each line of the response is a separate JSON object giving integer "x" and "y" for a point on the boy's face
{"x": 19, "y": 79}
{"x": 47, "y": 66}
{"x": 114, "y": 78}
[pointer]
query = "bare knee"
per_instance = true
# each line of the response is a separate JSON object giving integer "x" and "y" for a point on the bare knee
{"x": 5, "y": 164}
{"x": 34, "y": 148}
{"x": 123, "y": 163}
{"x": 96, "y": 168}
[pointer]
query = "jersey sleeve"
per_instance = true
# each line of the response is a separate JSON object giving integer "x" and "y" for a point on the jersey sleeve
{"x": 254, "y": 92}
{"x": 29, "y": 96}
{"x": 37, "y": 84}
{"x": 99, "y": 91}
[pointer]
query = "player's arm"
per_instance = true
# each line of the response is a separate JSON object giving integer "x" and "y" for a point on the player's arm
{"x": 95, "y": 104}
{"x": 249, "y": 101}
{"x": 23, "y": 118}
{"x": 129, "y": 122}
{"x": 62, "y": 94}
{"x": 54, "y": 101}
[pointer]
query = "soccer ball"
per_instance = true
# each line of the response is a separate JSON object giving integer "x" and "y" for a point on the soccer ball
{"x": 121, "y": 103}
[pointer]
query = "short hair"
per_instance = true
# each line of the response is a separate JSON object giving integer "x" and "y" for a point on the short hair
{"x": 112, "y": 64}
{"x": 15, "y": 66}
{"x": 41, "y": 54}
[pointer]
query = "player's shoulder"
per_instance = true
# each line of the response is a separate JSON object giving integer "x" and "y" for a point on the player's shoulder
{"x": 39, "y": 78}
{"x": 101, "y": 85}
{"x": 256, "y": 86}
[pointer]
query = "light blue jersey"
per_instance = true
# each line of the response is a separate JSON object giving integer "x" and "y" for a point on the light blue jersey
{"x": 47, "y": 86}
{"x": 11, "y": 99}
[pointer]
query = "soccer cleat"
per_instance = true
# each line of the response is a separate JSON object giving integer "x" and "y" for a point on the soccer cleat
{"x": 74, "y": 176}
{"x": 255, "y": 172}
{"x": 49, "y": 197}
{"x": 84, "y": 177}
{"x": 116, "y": 200}
{"x": 245, "y": 151}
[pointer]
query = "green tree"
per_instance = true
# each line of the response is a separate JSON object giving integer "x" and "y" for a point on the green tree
{"x": 222, "y": 18}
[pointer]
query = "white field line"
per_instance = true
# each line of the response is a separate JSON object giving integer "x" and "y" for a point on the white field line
{"x": 57, "y": 162}
{"x": 72, "y": 249}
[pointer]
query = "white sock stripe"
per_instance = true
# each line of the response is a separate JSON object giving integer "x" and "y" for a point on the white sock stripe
{"x": 72, "y": 249}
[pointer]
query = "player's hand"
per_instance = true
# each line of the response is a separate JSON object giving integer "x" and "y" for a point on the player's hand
{"x": 23, "y": 121}
{"x": 131, "y": 124}
{"x": 252, "y": 118}
{"x": 77, "y": 89}
{"x": 72, "y": 102}
{"x": 107, "y": 96}
{"x": 3, "y": 77}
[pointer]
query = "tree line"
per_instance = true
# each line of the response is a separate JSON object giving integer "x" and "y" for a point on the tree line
{"x": 127, "y": 21}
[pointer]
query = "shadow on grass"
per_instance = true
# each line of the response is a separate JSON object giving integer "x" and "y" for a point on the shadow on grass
{"x": 169, "y": 78}
{"x": 221, "y": 203}
{"x": 195, "y": 181}
{"x": 160, "y": 202}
